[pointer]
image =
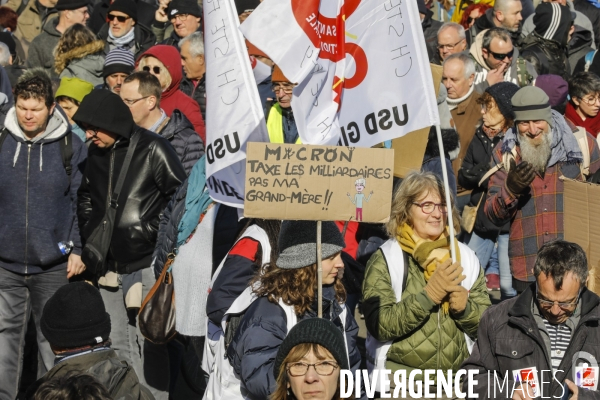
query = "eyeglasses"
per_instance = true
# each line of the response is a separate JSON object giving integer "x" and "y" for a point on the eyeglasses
{"x": 323, "y": 368}
{"x": 120, "y": 18}
{"x": 590, "y": 101}
{"x": 428, "y": 206}
{"x": 449, "y": 46}
{"x": 548, "y": 304}
{"x": 130, "y": 102}
{"x": 179, "y": 17}
{"x": 288, "y": 89}
{"x": 94, "y": 131}
{"x": 155, "y": 69}
{"x": 500, "y": 56}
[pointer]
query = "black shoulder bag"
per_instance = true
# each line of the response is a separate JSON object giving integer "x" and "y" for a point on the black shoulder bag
{"x": 96, "y": 247}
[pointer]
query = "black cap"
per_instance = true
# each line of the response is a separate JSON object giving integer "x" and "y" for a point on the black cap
{"x": 502, "y": 93}
{"x": 126, "y": 7}
{"x": 314, "y": 330}
{"x": 70, "y": 4}
{"x": 7, "y": 39}
{"x": 75, "y": 316}
{"x": 177, "y": 7}
{"x": 245, "y": 5}
{"x": 105, "y": 110}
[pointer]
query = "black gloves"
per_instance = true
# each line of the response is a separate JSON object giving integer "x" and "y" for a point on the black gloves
{"x": 519, "y": 177}
{"x": 470, "y": 177}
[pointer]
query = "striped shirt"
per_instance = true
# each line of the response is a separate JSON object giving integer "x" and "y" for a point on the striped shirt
{"x": 560, "y": 336}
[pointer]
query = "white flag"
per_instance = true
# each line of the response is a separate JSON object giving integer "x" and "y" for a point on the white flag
{"x": 234, "y": 114}
{"x": 367, "y": 57}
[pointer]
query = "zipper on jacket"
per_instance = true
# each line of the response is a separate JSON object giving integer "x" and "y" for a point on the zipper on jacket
{"x": 110, "y": 177}
{"x": 439, "y": 337}
{"x": 27, "y": 207}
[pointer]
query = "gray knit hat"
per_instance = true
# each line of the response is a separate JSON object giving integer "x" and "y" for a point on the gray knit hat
{"x": 532, "y": 104}
{"x": 298, "y": 243}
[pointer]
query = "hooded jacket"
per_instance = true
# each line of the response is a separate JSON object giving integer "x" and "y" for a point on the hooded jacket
{"x": 521, "y": 72}
{"x": 486, "y": 21}
{"x": 143, "y": 39}
{"x": 37, "y": 203}
{"x": 172, "y": 97}
{"x": 546, "y": 46}
{"x": 41, "y": 50}
{"x": 84, "y": 62}
{"x": 30, "y": 23}
{"x": 432, "y": 161}
{"x": 590, "y": 9}
{"x": 187, "y": 144}
{"x": 581, "y": 43}
{"x": 154, "y": 175}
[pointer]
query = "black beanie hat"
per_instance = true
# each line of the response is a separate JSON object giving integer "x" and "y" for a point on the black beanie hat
{"x": 75, "y": 316}
{"x": 314, "y": 330}
{"x": 243, "y": 5}
{"x": 104, "y": 109}
{"x": 552, "y": 22}
{"x": 126, "y": 7}
{"x": 177, "y": 7}
{"x": 70, "y": 4}
{"x": 502, "y": 92}
{"x": 7, "y": 39}
{"x": 298, "y": 243}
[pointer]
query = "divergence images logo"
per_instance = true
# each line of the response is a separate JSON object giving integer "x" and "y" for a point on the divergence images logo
{"x": 585, "y": 375}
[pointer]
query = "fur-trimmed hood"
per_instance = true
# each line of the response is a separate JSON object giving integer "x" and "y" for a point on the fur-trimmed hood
{"x": 64, "y": 59}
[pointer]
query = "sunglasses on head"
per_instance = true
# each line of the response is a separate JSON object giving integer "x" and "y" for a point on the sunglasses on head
{"x": 120, "y": 18}
{"x": 502, "y": 56}
{"x": 155, "y": 69}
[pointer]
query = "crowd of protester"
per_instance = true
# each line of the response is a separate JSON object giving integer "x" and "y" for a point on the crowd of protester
{"x": 102, "y": 107}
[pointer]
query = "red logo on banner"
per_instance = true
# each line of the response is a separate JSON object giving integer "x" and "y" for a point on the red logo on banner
{"x": 328, "y": 34}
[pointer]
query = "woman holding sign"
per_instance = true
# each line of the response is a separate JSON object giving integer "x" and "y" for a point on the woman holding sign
{"x": 286, "y": 293}
{"x": 421, "y": 310}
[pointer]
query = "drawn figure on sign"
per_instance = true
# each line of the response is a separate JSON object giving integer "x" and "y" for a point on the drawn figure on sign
{"x": 359, "y": 197}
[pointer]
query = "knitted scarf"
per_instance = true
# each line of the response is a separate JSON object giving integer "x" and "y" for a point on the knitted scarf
{"x": 428, "y": 253}
{"x": 122, "y": 41}
{"x": 592, "y": 125}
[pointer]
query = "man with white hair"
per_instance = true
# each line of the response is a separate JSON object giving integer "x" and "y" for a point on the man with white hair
{"x": 451, "y": 39}
{"x": 505, "y": 14}
{"x": 192, "y": 59}
{"x": 458, "y": 77}
{"x": 528, "y": 191}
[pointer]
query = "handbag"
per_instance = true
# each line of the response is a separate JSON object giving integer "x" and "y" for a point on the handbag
{"x": 156, "y": 317}
{"x": 97, "y": 245}
{"x": 469, "y": 215}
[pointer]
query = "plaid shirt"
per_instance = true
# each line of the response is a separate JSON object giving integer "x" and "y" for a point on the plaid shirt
{"x": 537, "y": 216}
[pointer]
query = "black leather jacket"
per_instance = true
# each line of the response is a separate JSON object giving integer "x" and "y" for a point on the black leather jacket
{"x": 154, "y": 175}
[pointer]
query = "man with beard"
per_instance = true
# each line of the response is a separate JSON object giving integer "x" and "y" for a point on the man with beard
{"x": 541, "y": 148}
{"x": 505, "y": 14}
{"x": 119, "y": 64}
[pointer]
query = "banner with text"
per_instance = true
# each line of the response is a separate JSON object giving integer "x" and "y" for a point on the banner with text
{"x": 326, "y": 183}
{"x": 234, "y": 114}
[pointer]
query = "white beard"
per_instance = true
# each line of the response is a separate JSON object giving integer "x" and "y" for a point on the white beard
{"x": 537, "y": 156}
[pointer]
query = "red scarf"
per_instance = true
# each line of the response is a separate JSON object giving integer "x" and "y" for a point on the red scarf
{"x": 592, "y": 125}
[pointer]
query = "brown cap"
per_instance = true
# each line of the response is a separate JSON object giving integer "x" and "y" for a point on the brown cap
{"x": 278, "y": 76}
{"x": 255, "y": 51}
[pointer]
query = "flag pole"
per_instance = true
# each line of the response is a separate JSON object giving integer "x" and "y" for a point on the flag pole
{"x": 447, "y": 190}
{"x": 319, "y": 272}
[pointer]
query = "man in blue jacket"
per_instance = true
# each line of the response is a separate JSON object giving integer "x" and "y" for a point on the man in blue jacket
{"x": 41, "y": 163}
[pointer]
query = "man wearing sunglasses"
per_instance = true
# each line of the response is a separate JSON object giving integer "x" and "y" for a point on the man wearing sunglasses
{"x": 41, "y": 51}
{"x": 498, "y": 61}
{"x": 122, "y": 29}
{"x": 537, "y": 340}
{"x": 176, "y": 19}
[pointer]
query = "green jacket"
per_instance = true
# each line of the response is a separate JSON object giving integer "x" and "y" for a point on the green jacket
{"x": 424, "y": 338}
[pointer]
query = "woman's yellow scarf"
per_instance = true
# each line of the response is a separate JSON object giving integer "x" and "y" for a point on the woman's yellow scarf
{"x": 428, "y": 253}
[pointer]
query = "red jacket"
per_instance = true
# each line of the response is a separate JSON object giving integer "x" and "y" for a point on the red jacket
{"x": 173, "y": 98}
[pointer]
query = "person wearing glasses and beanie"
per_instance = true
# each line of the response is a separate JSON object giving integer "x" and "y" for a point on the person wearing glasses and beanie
{"x": 123, "y": 30}
{"x": 175, "y": 20}
{"x": 498, "y": 60}
{"x": 543, "y": 335}
{"x": 309, "y": 361}
{"x": 285, "y": 293}
{"x": 164, "y": 62}
{"x": 281, "y": 124}
{"x": 421, "y": 310}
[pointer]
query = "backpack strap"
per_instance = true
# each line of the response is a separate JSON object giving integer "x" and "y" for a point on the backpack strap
{"x": 504, "y": 164}
{"x": 523, "y": 76}
{"x": 581, "y": 136}
{"x": 66, "y": 153}
{"x": 3, "y": 136}
{"x": 405, "y": 272}
{"x": 589, "y": 59}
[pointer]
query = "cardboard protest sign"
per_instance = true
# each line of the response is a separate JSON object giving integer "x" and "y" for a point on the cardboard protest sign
{"x": 327, "y": 183}
{"x": 581, "y": 221}
{"x": 234, "y": 114}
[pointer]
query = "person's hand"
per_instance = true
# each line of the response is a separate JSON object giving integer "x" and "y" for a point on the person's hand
{"x": 519, "y": 177}
{"x": 74, "y": 266}
{"x": 458, "y": 299}
{"x": 523, "y": 392}
{"x": 573, "y": 388}
{"x": 495, "y": 75}
{"x": 444, "y": 277}
{"x": 161, "y": 14}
